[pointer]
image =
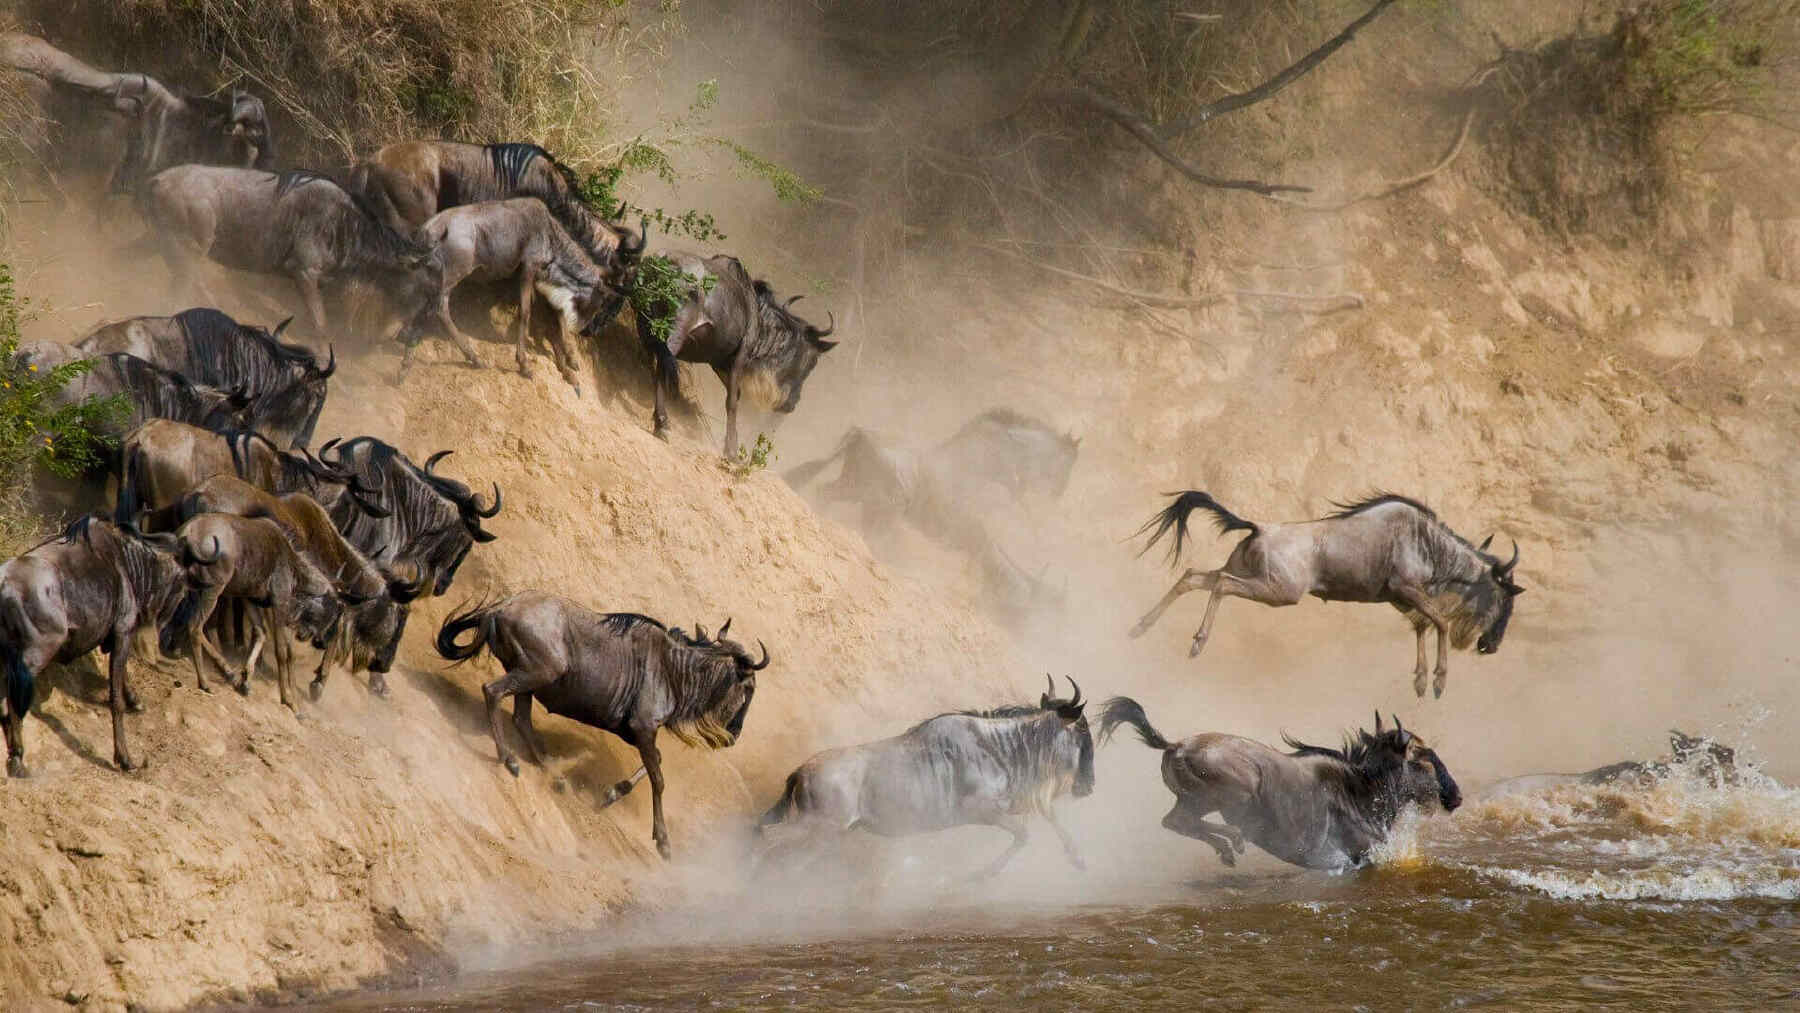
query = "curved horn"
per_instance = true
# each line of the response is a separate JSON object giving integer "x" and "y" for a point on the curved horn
{"x": 790, "y": 303}
{"x": 335, "y": 440}
{"x": 700, "y": 632}
{"x": 764, "y": 663}
{"x": 403, "y": 591}
{"x": 1377, "y": 721}
{"x": 723, "y": 629}
{"x": 631, "y": 250}
{"x": 352, "y": 599}
{"x": 483, "y": 537}
{"x": 1485, "y": 542}
{"x": 830, "y": 325}
{"x": 486, "y": 512}
{"x": 1050, "y": 687}
{"x": 276, "y": 333}
{"x": 367, "y": 506}
{"x": 1405, "y": 736}
{"x": 1506, "y": 568}
{"x": 1074, "y": 701}
{"x": 331, "y": 361}
{"x": 431, "y": 462}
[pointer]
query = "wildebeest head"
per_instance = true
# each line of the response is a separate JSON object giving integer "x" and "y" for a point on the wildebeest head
{"x": 1075, "y": 742}
{"x": 719, "y": 720}
{"x": 1706, "y": 758}
{"x": 1421, "y": 777}
{"x": 376, "y": 629}
{"x": 1499, "y": 594}
{"x": 250, "y": 128}
{"x": 793, "y": 347}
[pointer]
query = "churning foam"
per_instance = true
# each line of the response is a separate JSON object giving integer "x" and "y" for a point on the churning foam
{"x": 1681, "y": 838}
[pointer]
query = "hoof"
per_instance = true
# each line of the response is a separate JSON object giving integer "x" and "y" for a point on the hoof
{"x": 512, "y": 766}
{"x": 378, "y": 686}
{"x": 1138, "y": 630}
{"x": 1195, "y": 648}
{"x": 662, "y": 848}
{"x": 15, "y": 767}
{"x": 316, "y": 689}
{"x": 243, "y": 688}
{"x": 1437, "y": 691}
{"x": 123, "y": 762}
{"x": 134, "y": 705}
{"x": 1419, "y": 687}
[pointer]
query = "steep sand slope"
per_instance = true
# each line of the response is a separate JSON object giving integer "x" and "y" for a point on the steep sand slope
{"x": 262, "y": 852}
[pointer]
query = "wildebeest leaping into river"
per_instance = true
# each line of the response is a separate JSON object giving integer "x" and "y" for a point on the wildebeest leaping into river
{"x": 1384, "y": 549}
{"x": 974, "y": 767}
{"x": 1314, "y": 807}
{"x": 627, "y": 674}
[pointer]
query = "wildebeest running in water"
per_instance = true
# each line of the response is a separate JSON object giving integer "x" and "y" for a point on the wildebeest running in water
{"x": 1384, "y": 549}
{"x": 621, "y": 672}
{"x": 1314, "y": 807}
{"x": 992, "y": 768}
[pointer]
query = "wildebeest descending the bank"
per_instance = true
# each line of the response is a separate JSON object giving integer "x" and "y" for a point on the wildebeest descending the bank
{"x": 367, "y": 634}
{"x": 621, "y": 672}
{"x": 753, "y": 341}
{"x": 949, "y": 492}
{"x": 410, "y": 181}
{"x": 93, "y": 586}
{"x": 158, "y": 126}
{"x": 162, "y": 460}
{"x": 297, "y": 225}
{"x": 149, "y": 391}
{"x": 432, "y": 520}
{"x": 519, "y": 238}
{"x": 1695, "y": 756}
{"x": 992, "y": 768}
{"x": 285, "y": 382}
{"x": 1314, "y": 807}
{"x": 1384, "y": 549}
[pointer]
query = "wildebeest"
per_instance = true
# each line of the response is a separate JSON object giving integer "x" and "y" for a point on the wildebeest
{"x": 432, "y": 520}
{"x": 496, "y": 240}
{"x": 410, "y": 181}
{"x": 366, "y": 635}
{"x": 997, "y": 459}
{"x": 298, "y": 225}
{"x": 1695, "y": 755}
{"x": 162, "y": 127}
{"x": 754, "y": 343}
{"x": 620, "y": 672}
{"x": 284, "y": 382}
{"x": 95, "y": 585}
{"x": 162, "y": 460}
{"x": 253, "y": 559}
{"x": 991, "y": 768}
{"x": 1314, "y": 807}
{"x": 150, "y": 391}
{"x": 1383, "y": 549}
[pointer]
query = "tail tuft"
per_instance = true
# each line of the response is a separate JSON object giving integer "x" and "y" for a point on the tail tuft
{"x": 459, "y": 623}
{"x": 1123, "y": 710}
{"x": 1176, "y": 516}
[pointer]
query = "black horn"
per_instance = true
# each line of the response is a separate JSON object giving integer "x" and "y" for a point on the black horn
{"x": 1485, "y": 542}
{"x": 764, "y": 663}
{"x": 724, "y": 629}
{"x": 431, "y": 462}
{"x": 276, "y": 333}
{"x": 1377, "y": 721}
{"x": 789, "y": 305}
{"x": 486, "y": 512}
{"x": 330, "y": 363}
{"x": 1506, "y": 568}
{"x": 830, "y": 325}
{"x": 1074, "y": 701}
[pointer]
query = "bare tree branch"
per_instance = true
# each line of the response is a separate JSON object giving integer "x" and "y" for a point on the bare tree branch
{"x": 1232, "y": 103}
{"x": 1147, "y": 135}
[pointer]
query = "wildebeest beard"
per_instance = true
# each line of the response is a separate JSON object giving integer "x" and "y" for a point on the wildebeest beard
{"x": 702, "y": 678}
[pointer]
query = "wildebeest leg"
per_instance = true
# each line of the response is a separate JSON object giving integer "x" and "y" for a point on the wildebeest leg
{"x": 445, "y": 320}
{"x": 308, "y": 284}
{"x": 734, "y": 383}
{"x": 1187, "y": 819}
{"x": 282, "y": 648}
{"x": 1421, "y": 603}
{"x": 652, "y": 757}
{"x": 527, "y": 289}
{"x": 1192, "y": 580}
{"x": 516, "y": 680}
{"x": 1205, "y": 631}
{"x": 198, "y": 645}
{"x": 623, "y": 788}
{"x": 534, "y": 746}
{"x": 121, "y": 650}
{"x": 1013, "y": 825}
{"x": 1063, "y": 835}
{"x": 258, "y": 638}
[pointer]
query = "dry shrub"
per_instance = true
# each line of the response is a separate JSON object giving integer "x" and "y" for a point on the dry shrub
{"x": 345, "y": 76}
{"x": 1580, "y": 124}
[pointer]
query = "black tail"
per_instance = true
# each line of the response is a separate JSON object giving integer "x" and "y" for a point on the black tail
{"x": 668, "y": 373}
{"x": 799, "y": 475}
{"x": 171, "y": 638}
{"x": 1176, "y": 516}
{"x": 1123, "y": 710}
{"x": 778, "y": 813}
{"x": 21, "y": 685}
{"x": 459, "y": 623}
{"x": 125, "y": 511}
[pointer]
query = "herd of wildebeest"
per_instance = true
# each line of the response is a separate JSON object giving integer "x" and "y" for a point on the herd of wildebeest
{"x": 228, "y": 538}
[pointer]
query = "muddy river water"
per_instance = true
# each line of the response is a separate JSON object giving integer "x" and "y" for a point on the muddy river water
{"x": 1680, "y": 895}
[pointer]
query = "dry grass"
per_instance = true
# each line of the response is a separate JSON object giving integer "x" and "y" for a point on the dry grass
{"x": 344, "y": 76}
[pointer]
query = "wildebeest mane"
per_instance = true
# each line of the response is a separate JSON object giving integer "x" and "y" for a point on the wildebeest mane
{"x": 212, "y": 334}
{"x": 1366, "y": 759}
{"x": 365, "y": 238}
{"x": 620, "y": 623}
{"x": 1374, "y": 500}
